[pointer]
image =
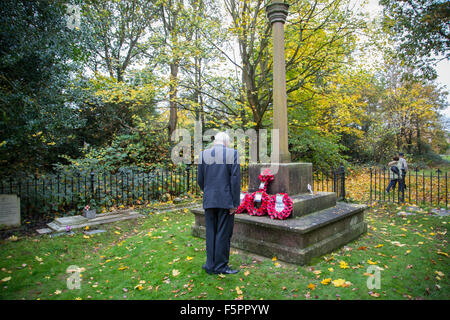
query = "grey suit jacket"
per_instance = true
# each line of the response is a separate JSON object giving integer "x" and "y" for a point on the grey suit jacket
{"x": 219, "y": 177}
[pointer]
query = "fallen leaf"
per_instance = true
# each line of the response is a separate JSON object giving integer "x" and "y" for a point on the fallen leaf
{"x": 338, "y": 282}
{"x": 442, "y": 253}
{"x": 311, "y": 286}
{"x": 175, "y": 272}
{"x": 439, "y": 273}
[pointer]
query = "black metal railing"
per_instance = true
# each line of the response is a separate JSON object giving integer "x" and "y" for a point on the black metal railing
{"x": 330, "y": 181}
{"x": 69, "y": 193}
{"x": 421, "y": 187}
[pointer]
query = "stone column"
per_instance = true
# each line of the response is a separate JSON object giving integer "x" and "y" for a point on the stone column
{"x": 277, "y": 12}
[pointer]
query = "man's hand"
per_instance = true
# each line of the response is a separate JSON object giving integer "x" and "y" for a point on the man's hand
{"x": 232, "y": 210}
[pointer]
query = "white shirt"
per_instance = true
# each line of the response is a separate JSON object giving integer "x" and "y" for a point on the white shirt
{"x": 402, "y": 164}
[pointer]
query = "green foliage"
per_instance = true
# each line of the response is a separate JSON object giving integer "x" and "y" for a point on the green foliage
{"x": 311, "y": 146}
{"x": 134, "y": 68}
{"x": 378, "y": 145}
{"x": 37, "y": 55}
{"x": 112, "y": 108}
{"x": 143, "y": 149}
{"x": 114, "y": 33}
{"x": 421, "y": 28}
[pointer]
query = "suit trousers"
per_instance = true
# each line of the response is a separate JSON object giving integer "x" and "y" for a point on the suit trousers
{"x": 219, "y": 229}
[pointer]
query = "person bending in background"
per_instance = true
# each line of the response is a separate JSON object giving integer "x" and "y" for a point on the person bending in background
{"x": 394, "y": 173}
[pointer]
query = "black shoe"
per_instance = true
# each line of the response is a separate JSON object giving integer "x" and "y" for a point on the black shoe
{"x": 227, "y": 270}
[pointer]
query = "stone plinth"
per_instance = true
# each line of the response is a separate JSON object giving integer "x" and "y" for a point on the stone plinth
{"x": 291, "y": 178}
{"x": 294, "y": 240}
{"x": 317, "y": 225}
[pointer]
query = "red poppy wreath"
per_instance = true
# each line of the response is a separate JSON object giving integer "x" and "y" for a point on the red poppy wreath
{"x": 280, "y": 208}
{"x": 251, "y": 209}
{"x": 265, "y": 178}
{"x": 244, "y": 202}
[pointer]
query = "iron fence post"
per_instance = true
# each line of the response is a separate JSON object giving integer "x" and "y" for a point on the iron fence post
{"x": 342, "y": 178}
{"x": 188, "y": 172}
{"x": 92, "y": 185}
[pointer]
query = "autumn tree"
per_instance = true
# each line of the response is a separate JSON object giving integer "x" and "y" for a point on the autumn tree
{"x": 115, "y": 33}
{"x": 411, "y": 108}
{"x": 319, "y": 38}
{"x": 421, "y": 29}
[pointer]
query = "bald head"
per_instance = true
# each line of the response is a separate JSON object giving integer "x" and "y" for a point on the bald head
{"x": 222, "y": 138}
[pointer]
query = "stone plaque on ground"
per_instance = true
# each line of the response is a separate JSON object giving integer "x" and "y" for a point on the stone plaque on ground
{"x": 9, "y": 210}
{"x": 441, "y": 212}
{"x": 90, "y": 232}
{"x": 78, "y": 222}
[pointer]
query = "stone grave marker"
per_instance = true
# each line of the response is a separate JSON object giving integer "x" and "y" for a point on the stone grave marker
{"x": 9, "y": 210}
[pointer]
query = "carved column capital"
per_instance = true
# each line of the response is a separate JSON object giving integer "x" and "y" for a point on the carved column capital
{"x": 277, "y": 12}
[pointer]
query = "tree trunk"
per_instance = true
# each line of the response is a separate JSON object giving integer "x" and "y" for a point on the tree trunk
{"x": 419, "y": 144}
{"x": 173, "y": 87}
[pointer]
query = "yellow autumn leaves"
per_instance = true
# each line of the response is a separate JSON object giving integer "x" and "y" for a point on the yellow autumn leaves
{"x": 341, "y": 283}
{"x": 337, "y": 283}
{"x": 326, "y": 281}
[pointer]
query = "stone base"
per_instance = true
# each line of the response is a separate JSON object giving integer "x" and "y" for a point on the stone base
{"x": 294, "y": 240}
{"x": 306, "y": 203}
{"x": 77, "y": 222}
{"x": 291, "y": 178}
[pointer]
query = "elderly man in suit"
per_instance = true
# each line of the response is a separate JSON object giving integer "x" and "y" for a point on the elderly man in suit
{"x": 220, "y": 180}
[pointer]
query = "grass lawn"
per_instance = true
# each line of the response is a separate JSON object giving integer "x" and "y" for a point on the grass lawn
{"x": 157, "y": 258}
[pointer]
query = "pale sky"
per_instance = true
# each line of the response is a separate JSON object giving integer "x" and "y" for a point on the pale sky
{"x": 443, "y": 69}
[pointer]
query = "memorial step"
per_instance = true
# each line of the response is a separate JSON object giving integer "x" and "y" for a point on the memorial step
{"x": 306, "y": 203}
{"x": 294, "y": 240}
